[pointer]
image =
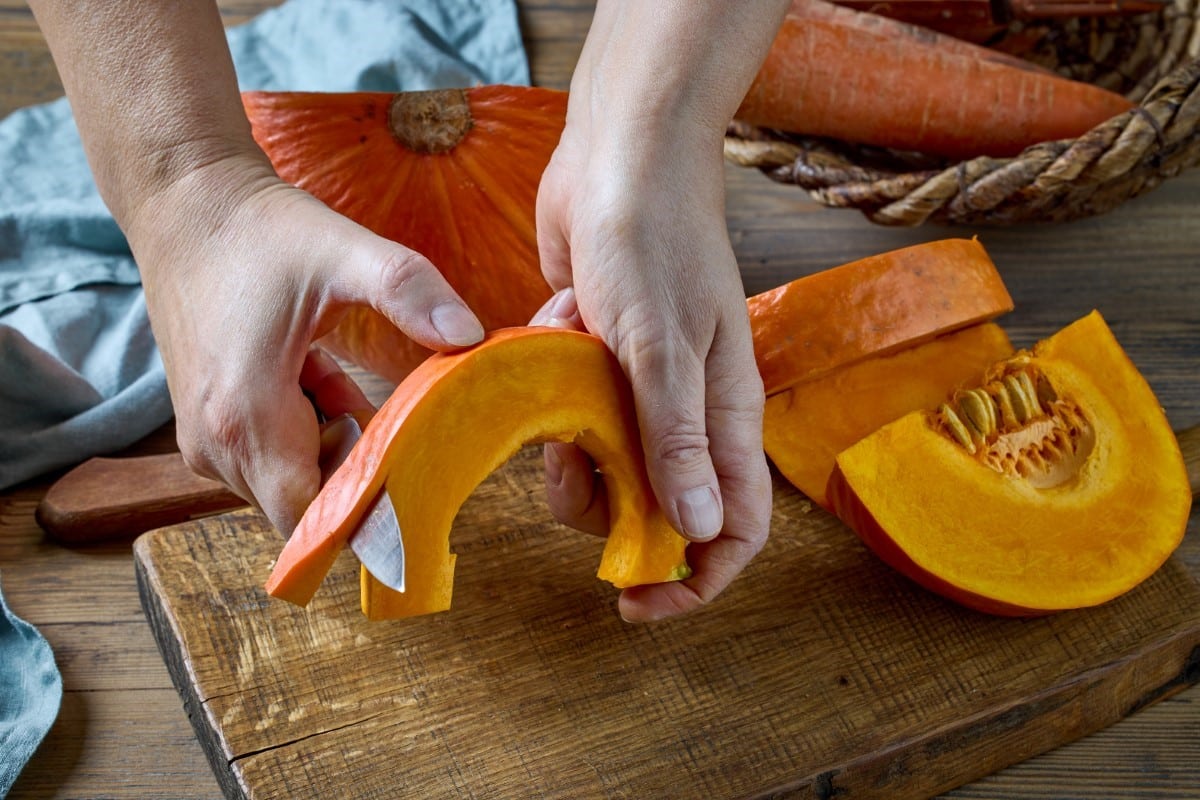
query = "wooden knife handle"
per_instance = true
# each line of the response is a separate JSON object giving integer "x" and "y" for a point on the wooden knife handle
{"x": 114, "y": 498}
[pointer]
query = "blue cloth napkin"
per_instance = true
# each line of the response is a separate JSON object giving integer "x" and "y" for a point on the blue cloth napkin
{"x": 30, "y": 693}
{"x": 79, "y": 371}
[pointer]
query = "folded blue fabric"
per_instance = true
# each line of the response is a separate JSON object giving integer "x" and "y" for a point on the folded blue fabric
{"x": 30, "y": 693}
{"x": 79, "y": 370}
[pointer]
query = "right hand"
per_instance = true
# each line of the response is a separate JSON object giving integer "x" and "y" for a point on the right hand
{"x": 242, "y": 273}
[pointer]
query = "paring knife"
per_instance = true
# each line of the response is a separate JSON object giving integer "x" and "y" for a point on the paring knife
{"x": 377, "y": 541}
{"x": 105, "y": 499}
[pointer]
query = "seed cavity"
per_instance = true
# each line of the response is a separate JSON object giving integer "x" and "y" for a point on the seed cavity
{"x": 1019, "y": 425}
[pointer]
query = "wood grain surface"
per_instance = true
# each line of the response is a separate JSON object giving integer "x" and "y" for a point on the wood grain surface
{"x": 820, "y": 673}
{"x": 122, "y": 732}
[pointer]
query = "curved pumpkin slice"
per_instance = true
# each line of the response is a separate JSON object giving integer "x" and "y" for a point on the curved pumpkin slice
{"x": 806, "y": 426}
{"x": 446, "y": 427}
{"x": 1056, "y": 484}
{"x": 872, "y": 307}
{"x": 452, "y": 174}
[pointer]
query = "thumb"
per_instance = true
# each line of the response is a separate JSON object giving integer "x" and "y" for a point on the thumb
{"x": 407, "y": 289}
{"x": 554, "y": 251}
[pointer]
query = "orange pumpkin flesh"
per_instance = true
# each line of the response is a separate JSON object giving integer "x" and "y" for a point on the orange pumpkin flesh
{"x": 452, "y": 174}
{"x": 806, "y": 426}
{"x": 872, "y": 307}
{"x": 1060, "y": 485}
{"x": 446, "y": 427}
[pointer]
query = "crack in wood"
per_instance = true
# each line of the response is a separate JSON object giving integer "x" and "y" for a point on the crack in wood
{"x": 298, "y": 739}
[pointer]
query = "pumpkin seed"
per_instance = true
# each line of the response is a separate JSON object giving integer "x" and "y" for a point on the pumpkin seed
{"x": 956, "y": 428}
{"x": 1016, "y": 394}
{"x": 1004, "y": 401}
{"x": 977, "y": 407}
{"x": 1045, "y": 392}
{"x": 1031, "y": 392}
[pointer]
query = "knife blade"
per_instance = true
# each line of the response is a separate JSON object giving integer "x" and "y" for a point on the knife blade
{"x": 377, "y": 541}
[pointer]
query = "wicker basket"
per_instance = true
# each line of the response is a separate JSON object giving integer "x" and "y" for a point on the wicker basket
{"x": 1153, "y": 60}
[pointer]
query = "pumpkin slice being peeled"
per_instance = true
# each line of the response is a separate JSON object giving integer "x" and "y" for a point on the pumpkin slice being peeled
{"x": 806, "y": 426}
{"x": 451, "y": 173}
{"x": 446, "y": 427}
{"x": 1056, "y": 483}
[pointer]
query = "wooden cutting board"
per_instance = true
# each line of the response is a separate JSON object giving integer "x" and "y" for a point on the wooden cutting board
{"x": 820, "y": 673}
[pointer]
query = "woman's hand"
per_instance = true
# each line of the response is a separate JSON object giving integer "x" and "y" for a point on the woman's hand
{"x": 630, "y": 216}
{"x": 242, "y": 273}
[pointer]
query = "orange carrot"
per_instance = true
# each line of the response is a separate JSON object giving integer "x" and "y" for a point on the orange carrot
{"x": 864, "y": 78}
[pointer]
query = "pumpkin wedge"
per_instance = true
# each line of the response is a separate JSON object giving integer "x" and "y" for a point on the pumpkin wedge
{"x": 872, "y": 307}
{"x": 1055, "y": 483}
{"x": 806, "y": 426}
{"x": 446, "y": 427}
{"x": 452, "y": 174}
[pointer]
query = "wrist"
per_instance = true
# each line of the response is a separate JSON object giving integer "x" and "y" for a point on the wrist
{"x": 675, "y": 67}
{"x": 191, "y": 200}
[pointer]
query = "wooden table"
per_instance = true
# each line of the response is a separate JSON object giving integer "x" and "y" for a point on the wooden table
{"x": 122, "y": 732}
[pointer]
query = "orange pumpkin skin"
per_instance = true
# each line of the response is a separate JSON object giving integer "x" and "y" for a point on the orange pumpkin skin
{"x": 452, "y": 174}
{"x": 449, "y": 424}
{"x": 872, "y": 307}
{"x": 1076, "y": 505}
{"x": 806, "y": 426}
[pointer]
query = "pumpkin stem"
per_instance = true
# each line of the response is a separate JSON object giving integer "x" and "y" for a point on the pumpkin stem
{"x": 430, "y": 121}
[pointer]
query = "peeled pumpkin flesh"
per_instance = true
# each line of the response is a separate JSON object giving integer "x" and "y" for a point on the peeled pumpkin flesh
{"x": 806, "y": 426}
{"x": 1056, "y": 483}
{"x": 446, "y": 427}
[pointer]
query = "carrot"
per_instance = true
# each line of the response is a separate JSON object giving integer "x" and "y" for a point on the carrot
{"x": 864, "y": 78}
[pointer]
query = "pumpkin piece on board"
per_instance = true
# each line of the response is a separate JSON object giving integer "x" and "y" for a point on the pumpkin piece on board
{"x": 872, "y": 307}
{"x": 1056, "y": 483}
{"x": 806, "y": 426}
{"x": 452, "y": 174}
{"x": 447, "y": 426}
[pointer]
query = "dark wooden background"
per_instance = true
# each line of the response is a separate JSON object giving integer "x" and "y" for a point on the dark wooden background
{"x": 122, "y": 732}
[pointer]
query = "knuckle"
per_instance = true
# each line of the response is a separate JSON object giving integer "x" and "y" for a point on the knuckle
{"x": 398, "y": 268}
{"x": 214, "y": 434}
{"x": 681, "y": 443}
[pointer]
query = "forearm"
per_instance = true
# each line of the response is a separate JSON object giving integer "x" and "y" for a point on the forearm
{"x": 152, "y": 89}
{"x": 675, "y": 67}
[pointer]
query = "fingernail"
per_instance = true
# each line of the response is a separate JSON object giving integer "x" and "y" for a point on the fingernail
{"x": 558, "y": 311}
{"x": 456, "y": 324}
{"x": 554, "y": 466}
{"x": 699, "y": 513}
{"x": 564, "y": 304}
